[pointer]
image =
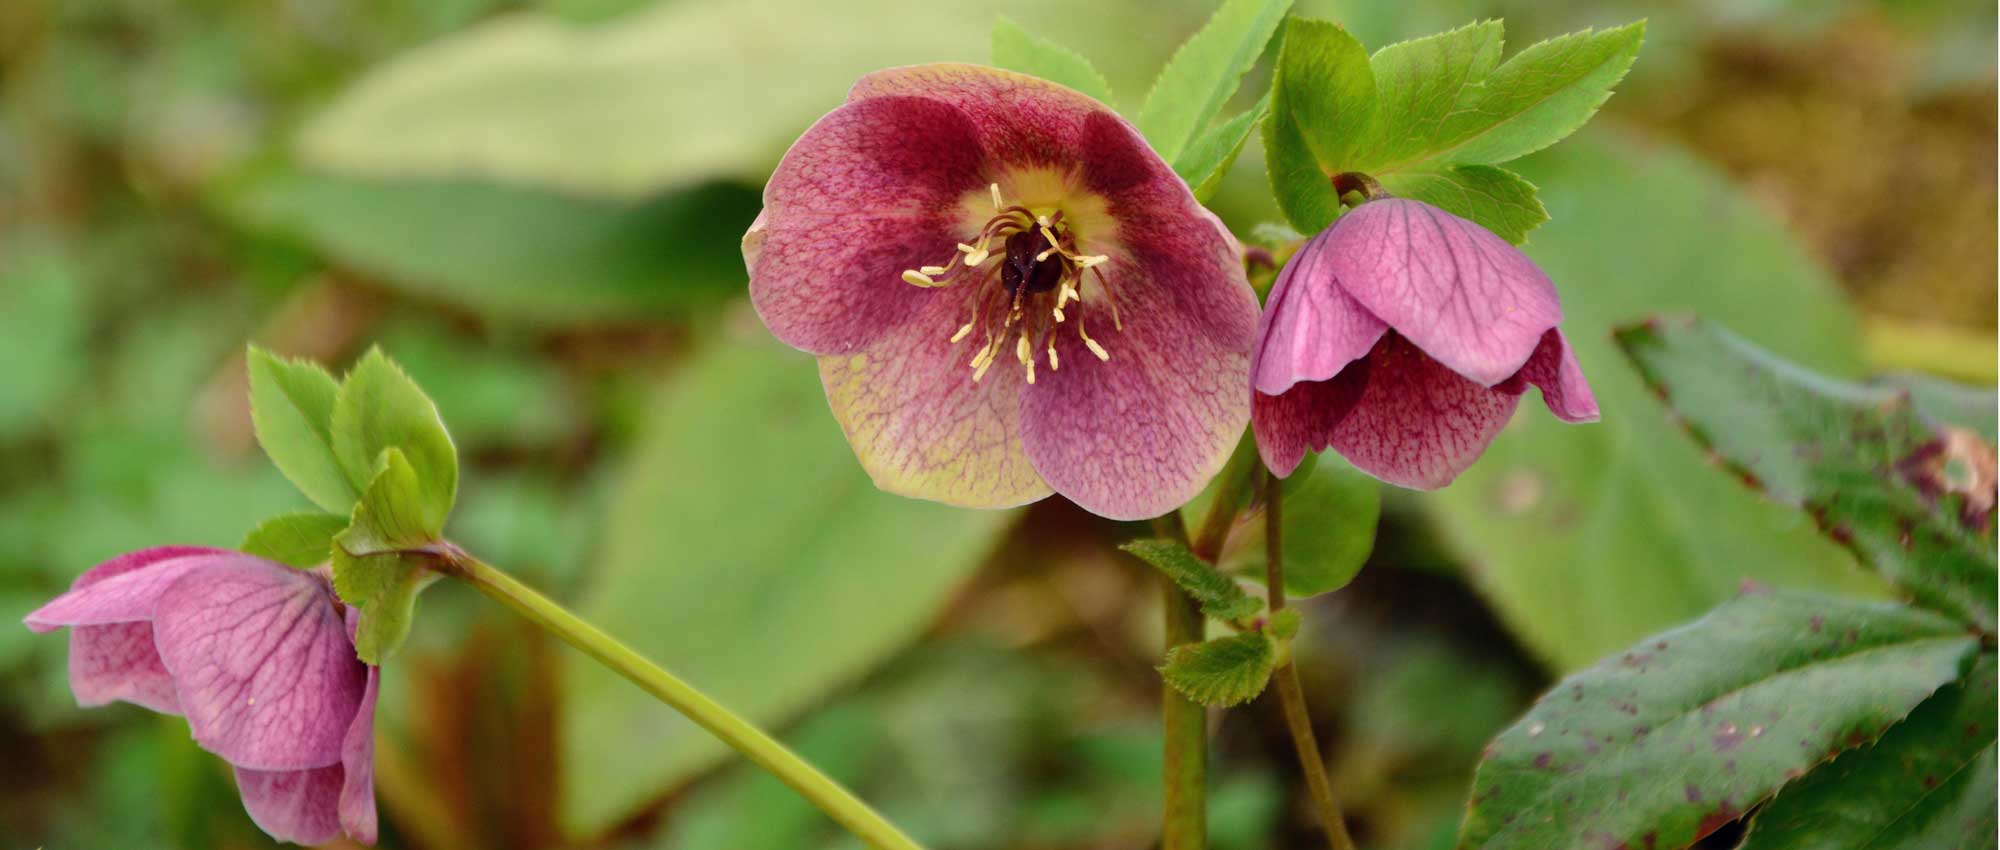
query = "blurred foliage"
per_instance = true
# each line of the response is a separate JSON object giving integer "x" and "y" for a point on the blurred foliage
{"x": 535, "y": 206}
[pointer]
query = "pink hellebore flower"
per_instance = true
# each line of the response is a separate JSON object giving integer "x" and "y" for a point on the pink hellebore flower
{"x": 1402, "y": 337}
{"x": 260, "y": 659}
{"x": 949, "y": 219}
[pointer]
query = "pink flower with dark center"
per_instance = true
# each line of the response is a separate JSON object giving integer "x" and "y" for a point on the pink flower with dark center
{"x": 1402, "y": 337}
{"x": 260, "y": 659}
{"x": 1010, "y": 294}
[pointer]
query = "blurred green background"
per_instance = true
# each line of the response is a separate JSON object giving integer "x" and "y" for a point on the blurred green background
{"x": 535, "y": 206}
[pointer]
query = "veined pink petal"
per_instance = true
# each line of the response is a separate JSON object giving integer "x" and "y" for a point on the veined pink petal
{"x": 299, "y": 806}
{"x": 357, "y": 759}
{"x": 265, "y": 671}
{"x": 123, "y": 589}
{"x": 872, "y": 190}
{"x": 1311, "y": 328}
{"x": 918, "y": 422}
{"x": 117, "y": 661}
{"x": 1554, "y": 368}
{"x": 1303, "y": 418}
{"x": 1461, "y": 294}
{"x": 1021, "y": 121}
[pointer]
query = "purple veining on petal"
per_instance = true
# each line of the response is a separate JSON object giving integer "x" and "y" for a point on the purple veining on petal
{"x": 1311, "y": 328}
{"x": 117, "y": 661}
{"x": 1554, "y": 369}
{"x": 300, "y": 806}
{"x": 357, "y": 758}
{"x": 1417, "y": 423}
{"x": 1302, "y": 419}
{"x": 122, "y": 590}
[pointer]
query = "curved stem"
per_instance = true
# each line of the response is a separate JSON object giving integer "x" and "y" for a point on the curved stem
{"x": 747, "y": 739}
{"x": 1290, "y": 695}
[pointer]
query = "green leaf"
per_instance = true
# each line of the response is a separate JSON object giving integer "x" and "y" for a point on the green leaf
{"x": 1949, "y": 402}
{"x": 392, "y": 515}
{"x": 1206, "y": 72}
{"x": 303, "y": 539}
{"x": 373, "y": 567}
{"x": 1017, "y": 49}
{"x": 1689, "y": 729}
{"x": 1928, "y": 784}
{"x": 1539, "y": 97}
{"x": 1910, "y": 500}
{"x": 745, "y": 534}
{"x": 1420, "y": 85}
{"x": 291, "y": 406}
{"x": 378, "y": 409}
{"x": 1587, "y": 538}
{"x": 1322, "y": 100}
{"x": 1330, "y": 513}
{"x": 1220, "y": 597}
{"x": 1211, "y": 154}
{"x": 1498, "y": 199}
{"x": 515, "y": 254}
{"x": 1224, "y": 671}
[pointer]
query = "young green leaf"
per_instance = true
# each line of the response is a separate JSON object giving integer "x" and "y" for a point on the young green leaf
{"x": 1209, "y": 156}
{"x": 1017, "y": 49}
{"x": 385, "y": 588}
{"x": 302, "y": 539}
{"x": 1691, "y": 728}
{"x": 1912, "y": 500}
{"x": 1220, "y": 597}
{"x": 1929, "y": 783}
{"x": 1329, "y": 518}
{"x": 291, "y": 407}
{"x": 1224, "y": 671}
{"x": 1541, "y": 95}
{"x": 1419, "y": 87}
{"x": 379, "y": 408}
{"x": 1205, "y": 72}
{"x": 1500, "y": 200}
{"x": 1322, "y": 100}
{"x": 392, "y": 515}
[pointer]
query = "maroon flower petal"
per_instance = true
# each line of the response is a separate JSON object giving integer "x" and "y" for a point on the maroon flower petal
{"x": 299, "y": 806}
{"x": 873, "y": 189}
{"x": 1311, "y": 328}
{"x": 1463, "y": 295}
{"x": 1021, "y": 121}
{"x": 1554, "y": 368}
{"x": 1302, "y": 419}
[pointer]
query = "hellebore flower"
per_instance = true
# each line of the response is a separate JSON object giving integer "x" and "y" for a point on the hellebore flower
{"x": 950, "y": 218}
{"x": 1402, "y": 336}
{"x": 260, "y": 659}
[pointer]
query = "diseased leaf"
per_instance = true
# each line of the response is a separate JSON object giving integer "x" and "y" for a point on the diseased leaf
{"x": 1913, "y": 501}
{"x": 1498, "y": 199}
{"x": 1220, "y": 597}
{"x": 1017, "y": 49}
{"x": 1211, "y": 154}
{"x": 1949, "y": 402}
{"x": 1928, "y": 784}
{"x": 1206, "y": 72}
{"x": 291, "y": 407}
{"x": 1322, "y": 100}
{"x": 379, "y": 408}
{"x": 1689, "y": 729}
{"x": 1223, "y": 671}
{"x": 303, "y": 539}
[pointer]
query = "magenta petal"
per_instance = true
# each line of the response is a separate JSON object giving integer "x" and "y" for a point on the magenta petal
{"x": 1463, "y": 295}
{"x": 357, "y": 761}
{"x": 1020, "y": 121}
{"x": 123, "y": 589}
{"x": 116, "y": 661}
{"x": 1554, "y": 368}
{"x": 872, "y": 190}
{"x": 1302, "y": 419}
{"x": 1311, "y": 328}
{"x": 300, "y": 806}
{"x": 1417, "y": 423}
{"x": 266, "y": 673}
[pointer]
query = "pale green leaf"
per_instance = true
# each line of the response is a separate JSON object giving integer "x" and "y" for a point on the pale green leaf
{"x": 1017, "y": 49}
{"x": 385, "y": 588}
{"x": 1498, "y": 199}
{"x": 1541, "y": 95}
{"x": 1420, "y": 85}
{"x": 379, "y": 408}
{"x": 1220, "y": 597}
{"x": 291, "y": 407}
{"x": 303, "y": 539}
{"x": 1211, "y": 154}
{"x": 1206, "y": 72}
{"x": 392, "y": 515}
{"x": 1224, "y": 671}
{"x": 1322, "y": 100}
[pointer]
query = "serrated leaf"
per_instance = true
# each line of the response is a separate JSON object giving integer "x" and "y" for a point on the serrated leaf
{"x": 1322, "y": 100}
{"x": 391, "y": 516}
{"x": 1914, "y": 502}
{"x": 1498, "y": 199}
{"x": 379, "y": 408}
{"x": 1284, "y": 623}
{"x": 291, "y": 408}
{"x": 385, "y": 588}
{"x": 1017, "y": 49}
{"x": 1928, "y": 784}
{"x": 1541, "y": 95}
{"x": 1205, "y": 72}
{"x": 1419, "y": 87}
{"x": 1220, "y": 597}
{"x": 1689, "y": 729}
{"x": 1224, "y": 671}
{"x": 1211, "y": 154}
{"x": 302, "y": 539}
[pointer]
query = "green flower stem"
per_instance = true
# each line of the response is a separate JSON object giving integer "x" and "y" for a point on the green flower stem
{"x": 753, "y": 743}
{"x": 1290, "y": 695}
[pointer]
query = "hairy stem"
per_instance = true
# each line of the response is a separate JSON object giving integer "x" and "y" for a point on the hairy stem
{"x": 1292, "y": 697}
{"x": 753, "y": 743}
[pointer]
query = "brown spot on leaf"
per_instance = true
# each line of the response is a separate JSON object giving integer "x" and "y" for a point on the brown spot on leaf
{"x": 1693, "y": 793}
{"x": 1543, "y": 760}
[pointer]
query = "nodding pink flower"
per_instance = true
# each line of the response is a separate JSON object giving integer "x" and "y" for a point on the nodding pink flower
{"x": 1402, "y": 337}
{"x": 260, "y": 659}
{"x": 1010, "y": 294}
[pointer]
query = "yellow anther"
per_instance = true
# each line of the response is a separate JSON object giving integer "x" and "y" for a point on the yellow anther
{"x": 1097, "y": 349}
{"x": 980, "y": 371}
{"x": 1044, "y": 255}
{"x": 1021, "y": 349}
{"x": 1093, "y": 260}
{"x": 934, "y": 270}
{"x": 1049, "y": 235}
{"x": 1043, "y": 220}
{"x": 976, "y": 259}
{"x": 917, "y": 278}
{"x": 963, "y": 332}
{"x": 1031, "y": 371}
{"x": 1058, "y": 313}
{"x": 997, "y": 204}
{"x": 1052, "y": 352}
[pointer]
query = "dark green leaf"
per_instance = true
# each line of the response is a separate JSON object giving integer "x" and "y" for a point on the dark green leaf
{"x": 1210, "y": 155}
{"x": 1330, "y": 514}
{"x": 291, "y": 405}
{"x": 379, "y": 408}
{"x": 1017, "y": 49}
{"x": 1220, "y": 597}
{"x": 302, "y": 539}
{"x": 1322, "y": 100}
{"x": 1912, "y": 501}
{"x": 1927, "y": 785}
{"x": 1500, "y": 200}
{"x": 1224, "y": 671}
{"x": 1205, "y": 72}
{"x": 1689, "y": 729}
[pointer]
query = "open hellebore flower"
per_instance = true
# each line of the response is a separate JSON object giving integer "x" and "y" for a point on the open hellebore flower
{"x": 260, "y": 659}
{"x": 1402, "y": 337}
{"x": 1010, "y": 294}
